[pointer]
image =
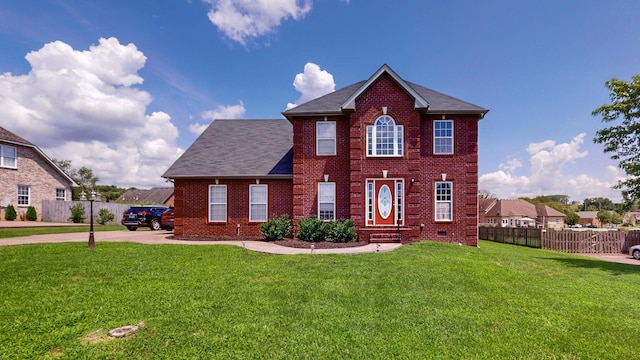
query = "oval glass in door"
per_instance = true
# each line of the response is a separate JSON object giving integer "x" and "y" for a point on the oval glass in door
{"x": 384, "y": 201}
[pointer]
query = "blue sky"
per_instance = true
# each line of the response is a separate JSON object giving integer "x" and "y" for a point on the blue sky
{"x": 124, "y": 87}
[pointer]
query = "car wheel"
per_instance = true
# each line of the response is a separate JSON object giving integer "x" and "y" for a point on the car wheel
{"x": 155, "y": 224}
{"x": 636, "y": 254}
{"x": 132, "y": 228}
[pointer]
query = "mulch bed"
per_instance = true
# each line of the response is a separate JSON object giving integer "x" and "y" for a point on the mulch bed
{"x": 286, "y": 242}
{"x": 317, "y": 245}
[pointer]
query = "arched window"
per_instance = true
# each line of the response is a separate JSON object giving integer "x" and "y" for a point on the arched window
{"x": 385, "y": 138}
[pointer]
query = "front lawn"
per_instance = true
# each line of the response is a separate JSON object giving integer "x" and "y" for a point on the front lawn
{"x": 28, "y": 231}
{"x": 423, "y": 301}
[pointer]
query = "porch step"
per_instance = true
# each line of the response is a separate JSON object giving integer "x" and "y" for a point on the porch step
{"x": 384, "y": 238}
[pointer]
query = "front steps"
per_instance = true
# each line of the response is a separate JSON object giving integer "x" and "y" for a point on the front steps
{"x": 383, "y": 238}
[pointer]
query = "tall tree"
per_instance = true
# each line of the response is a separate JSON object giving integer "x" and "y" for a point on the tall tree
{"x": 623, "y": 140}
{"x": 86, "y": 179}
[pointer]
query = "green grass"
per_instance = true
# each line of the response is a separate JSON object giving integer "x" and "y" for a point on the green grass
{"x": 428, "y": 300}
{"x": 28, "y": 231}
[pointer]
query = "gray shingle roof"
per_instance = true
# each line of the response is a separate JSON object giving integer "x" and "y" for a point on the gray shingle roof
{"x": 151, "y": 196}
{"x": 238, "y": 148}
{"x": 332, "y": 103}
{"x": 8, "y": 136}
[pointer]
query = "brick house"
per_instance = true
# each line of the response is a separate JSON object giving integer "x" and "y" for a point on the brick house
{"x": 28, "y": 176}
{"x": 519, "y": 213}
{"x": 398, "y": 159}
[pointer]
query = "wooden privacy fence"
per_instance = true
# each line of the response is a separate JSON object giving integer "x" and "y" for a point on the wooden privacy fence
{"x": 509, "y": 235}
{"x": 60, "y": 211}
{"x": 569, "y": 241}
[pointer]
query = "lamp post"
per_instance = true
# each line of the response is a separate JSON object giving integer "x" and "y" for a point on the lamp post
{"x": 83, "y": 196}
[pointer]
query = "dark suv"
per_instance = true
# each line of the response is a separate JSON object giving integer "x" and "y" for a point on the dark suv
{"x": 137, "y": 216}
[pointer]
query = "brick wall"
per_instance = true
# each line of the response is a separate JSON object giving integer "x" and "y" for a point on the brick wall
{"x": 191, "y": 207}
{"x": 36, "y": 172}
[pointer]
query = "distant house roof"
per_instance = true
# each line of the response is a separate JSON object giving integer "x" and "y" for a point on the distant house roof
{"x": 485, "y": 204}
{"x": 148, "y": 196}
{"x": 8, "y": 137}
{"x": 547, "y": 211}
{"x": 512, "y": 207}
{"x": 238, "y": 149}
{"x": 428, "y": 100}
{"x": 587, "y": 214}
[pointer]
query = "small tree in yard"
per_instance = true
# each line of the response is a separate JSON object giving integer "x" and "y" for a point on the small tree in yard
{"x": 32, "y": 215}
{"x": 77, "y": 213}
{"x": 10, "y": 213}
{"x": 105, "y": 216}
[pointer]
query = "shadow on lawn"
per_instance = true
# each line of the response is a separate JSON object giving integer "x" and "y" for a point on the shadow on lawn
{"x": 612, "y": 267}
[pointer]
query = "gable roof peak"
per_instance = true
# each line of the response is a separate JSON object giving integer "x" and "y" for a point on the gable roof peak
{"x": 420, "y": 102}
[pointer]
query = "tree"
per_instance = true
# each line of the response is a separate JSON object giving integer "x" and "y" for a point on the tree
{"x": 604, "y": 217}
{"x": 598, "y": 203}
{"x": 83, "y": 177}
{"x": 623, "y": 140}
{"x": 86, "y": 179}
{"x": 571, "y": 218}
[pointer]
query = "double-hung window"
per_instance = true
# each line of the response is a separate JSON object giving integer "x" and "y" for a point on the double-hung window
{"x": 327, "y": 201}
{"x": 325, "y": 138}
{"x": 61, "y": 194}
{"x": 444, "y": 201}
{"x": 217, "y": 203}
{"x": 24, "y": 195}
{"x": 8, "y": 156}
{"x": 385, "y": 138}
{"x": 443, "y": 137}
{"x": 257, "y": 203}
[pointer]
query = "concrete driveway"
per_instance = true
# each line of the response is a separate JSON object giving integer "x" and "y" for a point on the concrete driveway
{"x": 619, "y": 258}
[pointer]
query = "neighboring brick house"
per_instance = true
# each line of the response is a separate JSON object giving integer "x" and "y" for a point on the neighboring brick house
{"x": 28, "y": 176}
{"x": 589, "y": 219}
{"x": 398, "y": 159}
{"x": 519, "y": 213}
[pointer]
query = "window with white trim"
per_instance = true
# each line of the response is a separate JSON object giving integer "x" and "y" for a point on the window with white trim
{"x": 257, "y": 203}
{"x": 443, "y": 137}
{"x": 217, "y": 203}
{"x": 385, "y": 138}
{"x": 444, "y": 200}
{"x": 8, "y": 155}
{"x": 325, "y": 138}
{"x": 327, "y": 201}
{"x": 61, "y": 194}
{"x": 24, "y": 195}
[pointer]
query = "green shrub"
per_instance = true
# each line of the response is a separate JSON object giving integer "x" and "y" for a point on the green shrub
{"x": 10, "y": 213}
{"x": 105, "y": 216}
{"x": 32, "y": 215}
{"x": 340, "y": 231}
{"x": 311, "y": 229}
{"x": 77, "y": 213}
{"x": 277, "y": 228}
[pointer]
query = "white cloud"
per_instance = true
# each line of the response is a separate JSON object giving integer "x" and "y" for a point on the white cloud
{"x": 548, "y": 174}
{"x": 510, "y": 165}
{"x": 312, "y": 83}
{"x": 83, "y": 106}
{"x": 221, "y": 112}
{"x": 243, "y": 19}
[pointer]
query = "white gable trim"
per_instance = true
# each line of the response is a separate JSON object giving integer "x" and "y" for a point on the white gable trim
{"x": 420, "y": 102}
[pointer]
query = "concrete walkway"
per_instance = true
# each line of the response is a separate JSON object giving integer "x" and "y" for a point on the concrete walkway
{"x": 161, "y": 237}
